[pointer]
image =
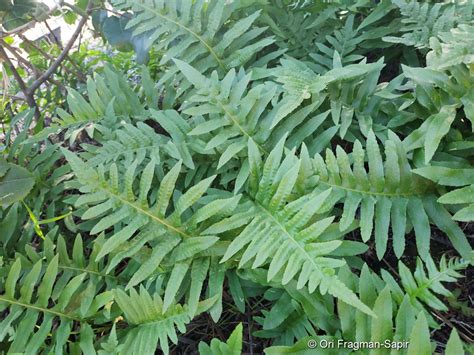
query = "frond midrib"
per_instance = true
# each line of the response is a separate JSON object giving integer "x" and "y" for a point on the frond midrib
{"x": 87, "y": 271}
{"x": 365, "y": 192}
{"x": 40, "y": 309}
{"x": 289, "y": 236}
{"x": 116, "y": 154}
{"x": 236, "y": 123}
{"x": 178, "y": 316}
{"x": 430, "y": 281}
{"x": 145, "y": 212}
{"x": 199, "y": 38}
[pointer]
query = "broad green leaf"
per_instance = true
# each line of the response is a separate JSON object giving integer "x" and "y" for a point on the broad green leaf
{"x": 15, "y": 183}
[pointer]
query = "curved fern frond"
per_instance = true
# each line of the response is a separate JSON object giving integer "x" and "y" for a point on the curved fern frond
{"x": 387, "y": 193}
{"x": 130, "y": 143}
{"x": 135, "y": 142}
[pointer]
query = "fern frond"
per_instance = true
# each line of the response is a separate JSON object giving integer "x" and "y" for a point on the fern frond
{"x": 41, "y": 172}
{"x": 109, "y": 98}
{"x": 349, "y": 94}
{"x": 34, "y": 300}
{"x": 283, "y": 233}
{"x": 344, "y": 42}
{"x": 151, "y": 324}
{"x": 423, "y": 286}
{"x": 294, "y": 313}
{"x": 387, "y": 193}
{"x": 233, "y": 346}
{"x": 452, "y": 48}
{"x": 387, "y": 298}
{"x": 173, "y": 231}
{"x": 297, "y": 31}
{"x": 234, "y": 115}
{"x": 130, "y": 142}
{"x": 421, "y": 21}
{"x": 204, "y": 34}
{"x": 457, "y": 178}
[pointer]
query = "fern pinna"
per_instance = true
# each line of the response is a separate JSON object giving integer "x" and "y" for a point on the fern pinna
{"x": 281, "y": 173}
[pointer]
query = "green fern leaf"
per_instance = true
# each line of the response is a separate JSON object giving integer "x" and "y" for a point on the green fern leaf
{"x": 388, "y": 193}
{"x": 287, "y": 231}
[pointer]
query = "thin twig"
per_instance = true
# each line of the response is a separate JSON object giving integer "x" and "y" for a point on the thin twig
{"x": 36, "y": 84}
{"x": 35, "y": 70}
{"x": 29, "y": 97}
{"x": 56, "y": 39}
{"x": 19, "y": 58}
{"x": 79, "y": 74}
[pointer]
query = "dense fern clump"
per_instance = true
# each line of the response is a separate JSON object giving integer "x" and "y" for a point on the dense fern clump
{"x": 293, "y": 173}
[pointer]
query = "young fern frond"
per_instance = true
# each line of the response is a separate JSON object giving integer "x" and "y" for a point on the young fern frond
{"x": 387, "y": 193}
{"x": 422, "y": 286}
{"x": 37, "y": 299}
{"x": 233, "y": 346}
{"x": 281, "y": 231}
